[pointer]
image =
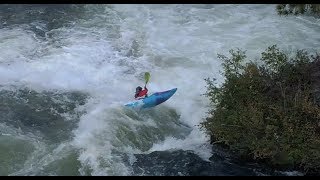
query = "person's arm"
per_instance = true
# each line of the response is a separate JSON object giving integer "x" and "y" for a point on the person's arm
{"x": 146, "y": 89}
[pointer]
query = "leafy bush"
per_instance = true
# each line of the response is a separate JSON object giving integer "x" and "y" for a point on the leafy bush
{"x": 286, "y": 9}
{"x": 267, "y": 112}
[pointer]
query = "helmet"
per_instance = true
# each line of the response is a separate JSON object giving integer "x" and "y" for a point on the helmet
{"x": 138, "y": 89}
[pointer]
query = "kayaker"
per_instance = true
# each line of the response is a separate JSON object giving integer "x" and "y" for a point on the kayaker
{"x": 140, "y": 93}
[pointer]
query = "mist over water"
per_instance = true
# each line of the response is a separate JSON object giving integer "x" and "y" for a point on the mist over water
{"x": 67, "y": 70}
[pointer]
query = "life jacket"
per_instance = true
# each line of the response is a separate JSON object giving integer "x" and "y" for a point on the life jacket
{"x": 141, "y": 93}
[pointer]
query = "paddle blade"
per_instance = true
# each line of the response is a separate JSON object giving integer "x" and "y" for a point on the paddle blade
{"x": 147, "y": 77}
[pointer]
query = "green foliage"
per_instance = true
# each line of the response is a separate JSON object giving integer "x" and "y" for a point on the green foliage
{"x": 295, "y": 9}
{"x": 233, "y": 66}
{"x": 274, "y": 59}
{"x": 267, "y": 112}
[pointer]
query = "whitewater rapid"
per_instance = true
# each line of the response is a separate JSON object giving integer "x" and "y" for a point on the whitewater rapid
{"x": 103, "y": 51}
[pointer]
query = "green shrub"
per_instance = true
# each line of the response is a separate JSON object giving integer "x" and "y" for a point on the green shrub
{"x": 267, "y": 112}
{"x": 295, "y": 9}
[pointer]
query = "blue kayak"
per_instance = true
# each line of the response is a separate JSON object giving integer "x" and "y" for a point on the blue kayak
{"x": 153, "y": 100}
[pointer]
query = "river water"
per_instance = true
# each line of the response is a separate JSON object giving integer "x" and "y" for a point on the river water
{"x": 67, "y": 70}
